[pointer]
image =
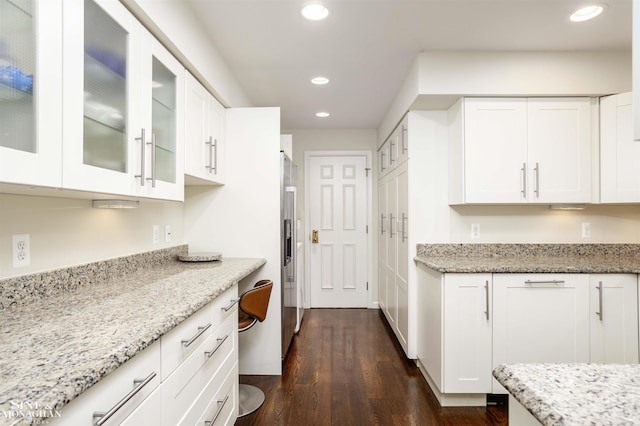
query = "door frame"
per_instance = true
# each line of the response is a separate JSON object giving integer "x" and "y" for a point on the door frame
{"x": 371, "y": 303}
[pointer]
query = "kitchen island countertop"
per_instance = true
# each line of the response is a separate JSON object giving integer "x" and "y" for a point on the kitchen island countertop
{"x": 54, "y": 348}
{"x": 575, "y": 394}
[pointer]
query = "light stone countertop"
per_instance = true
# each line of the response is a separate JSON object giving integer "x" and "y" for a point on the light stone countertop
{"x": 575, "y": 394}
{"x": 54, "y": 348}
{"x": 530, "y": 258}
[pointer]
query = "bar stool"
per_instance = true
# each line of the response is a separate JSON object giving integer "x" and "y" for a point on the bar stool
{"x": 252, "y": 306}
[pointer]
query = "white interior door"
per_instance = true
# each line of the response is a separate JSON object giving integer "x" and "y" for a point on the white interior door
{"x": 337, "y": 214}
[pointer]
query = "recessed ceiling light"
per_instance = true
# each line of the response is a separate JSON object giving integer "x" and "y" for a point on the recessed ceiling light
{"x": 587, "y": 12}
{"x": 322, "y": 114}
{"x": 320, "y": 80}
{"x": 315, "y": 11}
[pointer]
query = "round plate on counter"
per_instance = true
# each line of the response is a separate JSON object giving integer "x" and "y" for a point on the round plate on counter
{"x": 200, "y": 257}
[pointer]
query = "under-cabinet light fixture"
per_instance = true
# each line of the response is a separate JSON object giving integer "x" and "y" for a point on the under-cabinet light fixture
{"x": 567, "y": 206}
{"x": 587, "y": 12}
{"x": 115, "y": 204}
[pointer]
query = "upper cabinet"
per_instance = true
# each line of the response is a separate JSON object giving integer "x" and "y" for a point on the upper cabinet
{"x": 123, "y": 107}
{"x": 204, "y": 136}
{"x": 520, "y": 150}
{"x": 395, "y": 149}
{"x": 619, "y": 153}
{"x": 31, "y": 92}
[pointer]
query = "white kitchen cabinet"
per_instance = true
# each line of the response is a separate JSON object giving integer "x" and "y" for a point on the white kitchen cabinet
{"x": 520, "y": 150}
{"x": 613, "y": 301}
{"x": 140, "y": 373}
{"x": 122, "y": 106}
{"x": 635, "y": 83}
{"x": 454, "y": 342}
{"x": 619, "y": 153}
{"x": 540, "y": 318}
{"x": 205, "y": 136}
{"x": 31, "y": 92}
{"x": 148, "y": 413}
{"x": 383, "y": 240}
{"x": 401, "y": 179}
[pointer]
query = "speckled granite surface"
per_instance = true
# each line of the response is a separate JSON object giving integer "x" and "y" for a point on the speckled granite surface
{"x": 575, "y": 394}
{"x": 55, "y": 347}
{"x": 531, "y": 258}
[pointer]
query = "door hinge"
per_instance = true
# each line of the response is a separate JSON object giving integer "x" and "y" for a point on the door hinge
{"x": 367, "y": 171}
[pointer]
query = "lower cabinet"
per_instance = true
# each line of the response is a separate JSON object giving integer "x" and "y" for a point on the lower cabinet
{"x": 189, "y": 376}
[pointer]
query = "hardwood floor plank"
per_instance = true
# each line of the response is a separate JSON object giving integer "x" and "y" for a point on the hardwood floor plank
{"x": 345, "y": 367}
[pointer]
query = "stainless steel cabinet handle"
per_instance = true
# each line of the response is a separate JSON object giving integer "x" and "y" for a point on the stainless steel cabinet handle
{"x": 524, "y": 180}
{"x": 486, "y": 298}
{"x": 404, "y": 145}
{"x": 537, "y": 189}
{"x": 382, "y": 155}
{"x": 404, "y": 228}
{"x": 102, "y": 417}
{"x": 215, "y": 156}
{"x": 153, "y": 160}
{"x": 187, "y": 343}
{"x": 382, "y": 217}
{"x": 221, "y": 405}
{"x": 209, "y": 143}
{"x": 142, "y": 161}
{"x": 391, "y": 234}
{"x": 391, "y": 159}
{"x": 599, "y": 313}
{"x": 545, "y": 282}
{"x": 233, "y": 302}
{"x": 210, "y": 353}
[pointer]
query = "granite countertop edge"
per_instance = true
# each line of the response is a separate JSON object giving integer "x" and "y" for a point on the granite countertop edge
{"x": 54, "y": 349}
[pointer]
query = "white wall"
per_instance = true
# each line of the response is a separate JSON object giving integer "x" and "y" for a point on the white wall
{"x": 242, "y": 219}
{"x": 65, "y": 232}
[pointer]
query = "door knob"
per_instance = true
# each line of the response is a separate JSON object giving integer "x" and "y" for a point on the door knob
{"x": 314, "y": 236}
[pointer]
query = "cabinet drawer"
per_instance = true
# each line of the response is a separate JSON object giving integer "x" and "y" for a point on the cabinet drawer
{"x": 182, "y": 388}
{"x": 222, "y": 302}
{"x": 106, "y": 394}
{"x": 223, "y": 407}
{"x": 183, "y": 340}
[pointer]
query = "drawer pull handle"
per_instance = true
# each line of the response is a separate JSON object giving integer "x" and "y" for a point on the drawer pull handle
{"x": 486, "y": 298}
{"x": 102, "y": 417}
{"x": 210, "y": 353}
{"x": 221, "y": 405}
{"x": 187, "y": 343}
{"x": 599, "y": 313}
{"x": 545, "y": 282}
{"x": 233, "y": 302}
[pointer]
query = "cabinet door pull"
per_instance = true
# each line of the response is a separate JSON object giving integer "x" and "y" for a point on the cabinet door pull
{"x": 524, "y": 180}
{"x": 391, "y": 160}
{"x": 545, "y": 282}
{"x": 537, "y": 188}
{"x": 404, "y": 228}
{"x": 404, "y": 145}
{"x": 233, "y": 302}
{"x": 210, "y": 353}
{"x": 221, "y": 405}
{"x": 142, "y": 160}
{"x": 153, "y": 160}
{"x": 215, "y": 156}
{"x": 102, "y": 417}
{"x": 382, "y": 155}
{"x": 486, "y": 299}
{"x": 188, "y": 342}
{"x": 382, "y": 218}
{"x": 599, "y": 313}
{"x": 391, "y": 225}
{"x": 209, "y": 143}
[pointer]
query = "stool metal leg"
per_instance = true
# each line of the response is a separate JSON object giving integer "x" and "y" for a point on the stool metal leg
{"x": 250, "y": 399}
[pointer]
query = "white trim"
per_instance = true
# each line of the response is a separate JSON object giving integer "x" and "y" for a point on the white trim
{"x": 372, "y": 303}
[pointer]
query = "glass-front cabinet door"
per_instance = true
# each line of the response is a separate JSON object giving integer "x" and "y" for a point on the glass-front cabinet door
{"x": 30, "y": 92}
{"x": 102, "y": 111}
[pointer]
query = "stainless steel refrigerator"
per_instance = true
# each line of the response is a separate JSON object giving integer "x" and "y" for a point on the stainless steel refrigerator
{"x": 288, "y": 200}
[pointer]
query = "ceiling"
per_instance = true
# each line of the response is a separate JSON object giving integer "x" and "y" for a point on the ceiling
{"x": 365, "y": 47}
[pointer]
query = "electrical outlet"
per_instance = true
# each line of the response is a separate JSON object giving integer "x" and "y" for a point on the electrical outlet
{"x": 167, "y": 233}
{"x": 156, "y": 234}
{"x": 21, "y": 250}
{"x": 475, "y": 231}
{"x": 586, "y": 230}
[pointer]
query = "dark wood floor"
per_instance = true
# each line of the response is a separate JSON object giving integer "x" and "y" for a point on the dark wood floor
{"x": 346, "y": 368}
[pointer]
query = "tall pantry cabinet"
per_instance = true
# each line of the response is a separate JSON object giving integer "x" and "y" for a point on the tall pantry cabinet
{"x": 402, "y": 174}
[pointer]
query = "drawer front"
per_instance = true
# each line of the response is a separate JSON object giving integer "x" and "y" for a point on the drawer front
{"x": 184, "y": 339}
{"x": 106, "y": 394}
{"x": 183, "y": 387}
{"x": 223, "y": 407}
{"x": 222, "y": 307}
